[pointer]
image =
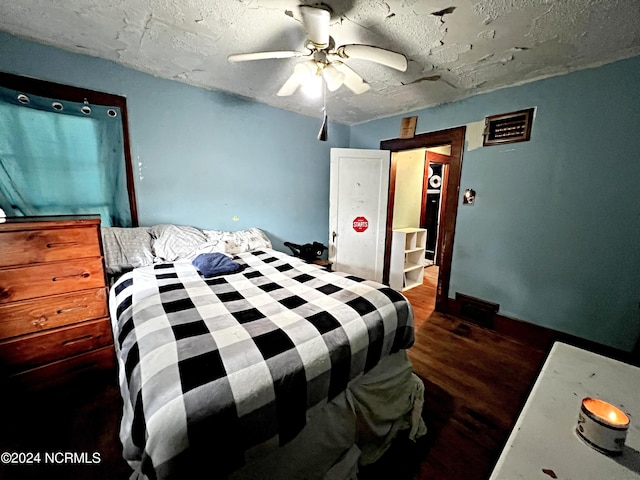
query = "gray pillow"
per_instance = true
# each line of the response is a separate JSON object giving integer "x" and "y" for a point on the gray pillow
{"x": 126, "y": 248}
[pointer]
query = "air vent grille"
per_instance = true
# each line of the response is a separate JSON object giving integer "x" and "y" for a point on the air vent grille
{"x": 508, "y": 127}
{"x": 476, "y": 310}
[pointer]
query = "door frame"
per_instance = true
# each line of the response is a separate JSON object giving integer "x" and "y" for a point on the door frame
{"x": 444, "y": 160}
{"x": 455, "y": 138}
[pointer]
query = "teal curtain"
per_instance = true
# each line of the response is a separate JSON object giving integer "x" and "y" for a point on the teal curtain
{"x": 57, "y": 160}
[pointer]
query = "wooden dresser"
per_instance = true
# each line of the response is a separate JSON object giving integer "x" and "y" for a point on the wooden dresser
{"x": 54, "y": 323}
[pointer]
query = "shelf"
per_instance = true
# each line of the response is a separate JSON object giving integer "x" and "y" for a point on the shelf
{"x": 409, "y": 286}
{"x": 413, "y": 277}
{"x": 411, "y": 266}
{"x": 407, "y": 258}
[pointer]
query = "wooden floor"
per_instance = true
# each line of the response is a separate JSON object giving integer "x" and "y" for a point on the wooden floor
{"x": 475, "y": 384}
{"x": 83, "y": 419}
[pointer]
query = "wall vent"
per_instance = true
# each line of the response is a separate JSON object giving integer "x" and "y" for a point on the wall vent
{"x": 476, "y": 310}
{"x": 508, "y": 127}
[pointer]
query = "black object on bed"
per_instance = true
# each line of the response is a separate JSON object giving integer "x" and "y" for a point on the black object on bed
{"x": 308, "y": 251}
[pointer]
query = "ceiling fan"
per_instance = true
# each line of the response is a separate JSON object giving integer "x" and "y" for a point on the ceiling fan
{"x": 325, "y": 61}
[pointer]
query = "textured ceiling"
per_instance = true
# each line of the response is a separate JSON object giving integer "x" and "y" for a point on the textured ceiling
{"x": 455, "y": 48}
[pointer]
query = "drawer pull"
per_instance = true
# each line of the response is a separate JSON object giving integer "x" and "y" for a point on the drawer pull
{"x": 71, "y": 277}
{"x": 66, "y": 343}
{"x": 62, "y": 244}
{"x": 84, "y": 367}
{"x": 71, "y": 309}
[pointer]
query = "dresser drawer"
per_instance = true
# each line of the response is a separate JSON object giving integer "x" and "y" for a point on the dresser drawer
{"x": 93, "y": 363}
{"x": 30, "y": 351}
{"x": 30, "y": 316}
{"x": 35, "y": 281}
{"x": 38, "y": 246}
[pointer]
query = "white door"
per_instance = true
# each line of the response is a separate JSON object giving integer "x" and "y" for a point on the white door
{"x": 359, "y": 192}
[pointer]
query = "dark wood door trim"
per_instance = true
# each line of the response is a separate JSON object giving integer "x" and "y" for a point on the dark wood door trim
{"x": 455, "y": 138}
{"x": 388, "y": 230}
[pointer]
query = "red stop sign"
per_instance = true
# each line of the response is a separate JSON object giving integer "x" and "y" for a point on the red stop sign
{"x": 360, "y": 224}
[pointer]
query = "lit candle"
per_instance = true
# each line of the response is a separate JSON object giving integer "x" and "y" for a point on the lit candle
{"x": 602, "y": 426}
{"x": 606, "y": 412}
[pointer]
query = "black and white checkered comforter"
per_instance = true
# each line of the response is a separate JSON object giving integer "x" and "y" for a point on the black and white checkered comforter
{"x": 212, "y": 367}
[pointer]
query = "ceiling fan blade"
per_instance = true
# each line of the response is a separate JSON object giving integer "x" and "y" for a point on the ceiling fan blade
{"x": 352, "y": 80}
{"x": 290, "y": 86}
{"x": 246, "y": 57}
{"x": 316, "y": 21}
{"x": 374, "y": 54}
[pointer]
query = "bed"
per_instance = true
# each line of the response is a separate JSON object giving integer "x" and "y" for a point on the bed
{"x": 277, "y": 370}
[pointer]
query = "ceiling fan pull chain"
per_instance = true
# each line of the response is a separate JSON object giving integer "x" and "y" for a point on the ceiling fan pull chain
{"x": 323, "y": 134}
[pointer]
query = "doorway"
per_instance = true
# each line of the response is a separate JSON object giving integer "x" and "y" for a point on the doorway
{"x": 454, "y": 138}
{"x": 434, "y": 191}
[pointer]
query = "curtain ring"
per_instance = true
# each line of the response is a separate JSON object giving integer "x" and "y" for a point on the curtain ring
{"x": 86, "y": 109}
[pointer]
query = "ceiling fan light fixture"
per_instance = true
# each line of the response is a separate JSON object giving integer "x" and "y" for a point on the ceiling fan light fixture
{"x": 310, "y": 78}
{"x": 312, "y": 88}
{"x": 326, "y": 68}
{"x": 352, "y": 80}
{"x": 333, "y": 77}
{"x": 303, "y": 74}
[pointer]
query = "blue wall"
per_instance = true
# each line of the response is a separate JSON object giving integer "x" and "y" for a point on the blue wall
{"x": 202, "y": 157}
{"x": 554, "y": 234}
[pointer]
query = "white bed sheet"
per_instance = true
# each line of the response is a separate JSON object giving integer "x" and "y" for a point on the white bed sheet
{"x": 353, "y": 429}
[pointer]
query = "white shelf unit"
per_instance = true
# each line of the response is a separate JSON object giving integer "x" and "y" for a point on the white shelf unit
{"x": 407, "y": 258}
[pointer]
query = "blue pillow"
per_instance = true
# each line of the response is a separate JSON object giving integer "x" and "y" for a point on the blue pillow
{"x": 211, "y": 264}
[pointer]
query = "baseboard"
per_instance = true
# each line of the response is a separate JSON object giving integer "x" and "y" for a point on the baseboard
{"x": 536, "y": 336}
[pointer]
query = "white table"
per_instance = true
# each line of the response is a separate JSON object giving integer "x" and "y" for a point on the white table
{"x": 544, "y": 437}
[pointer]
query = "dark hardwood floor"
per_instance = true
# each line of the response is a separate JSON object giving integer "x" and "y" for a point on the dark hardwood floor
{"x": 475, "y": 384}
{"x": 81, "y": 418}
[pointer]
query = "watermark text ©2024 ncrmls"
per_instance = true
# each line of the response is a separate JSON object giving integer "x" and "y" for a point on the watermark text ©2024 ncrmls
{"x": 26, "y": 458}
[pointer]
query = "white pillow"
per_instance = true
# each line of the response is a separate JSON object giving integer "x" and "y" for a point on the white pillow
{"x": 174, "y": 242}
{"x": 242, "y": 240}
